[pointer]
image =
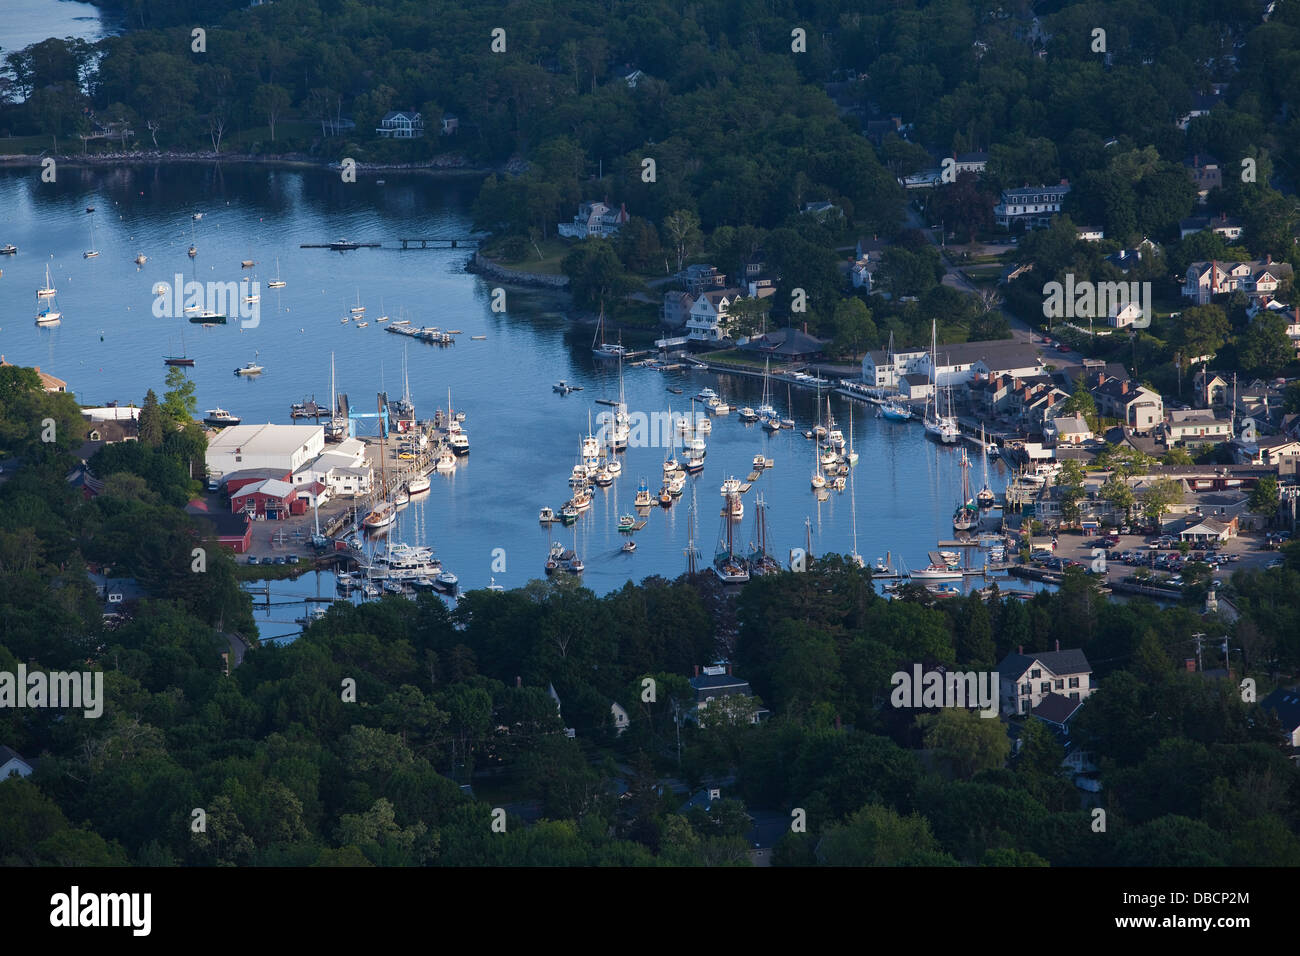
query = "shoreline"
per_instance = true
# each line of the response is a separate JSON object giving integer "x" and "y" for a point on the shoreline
{"x": 455, "y": 167}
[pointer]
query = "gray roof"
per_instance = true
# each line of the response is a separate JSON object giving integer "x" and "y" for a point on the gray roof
{"x": 1285, "y": 703}
{"x": 8, "y": 753}
{"x": 786, "y": 342}
{"x": 1071, "y": 661}
{"x": 997, "y": 354}
{"x": 917, "y": 378}
{"x": 1056, "y": 708}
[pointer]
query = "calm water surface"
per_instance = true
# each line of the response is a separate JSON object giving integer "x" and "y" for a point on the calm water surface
{"x": 524, "y": 438}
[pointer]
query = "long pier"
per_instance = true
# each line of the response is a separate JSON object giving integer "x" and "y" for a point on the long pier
{"x": 440, "y": 242}
{"x": 341, "y": 247}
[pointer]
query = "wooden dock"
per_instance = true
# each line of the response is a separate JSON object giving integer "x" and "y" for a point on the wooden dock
{"x": 640, "y": 524}
{"x": 441, "y": 242}
{"x": 341, "y": 248}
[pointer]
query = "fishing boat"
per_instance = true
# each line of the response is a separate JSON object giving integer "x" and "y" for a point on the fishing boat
{"x": 730, "y": 487}
{"x": 208, "y": 317}
{"x": 985, "y": 499}
{"x": 564, "y": 559}
{"x": 370, "y": 591}
{"x": 250, "y": 368}
{"x": 718, "y": 407}
{"x": 676, "y": 484}
{"x": 727, "y": 565}
{"x": 141, "y": 259}
{"x": 277, "y": 282}
{"x": 9, "y": 249}
{"x": 694, "y": 464}
{"x": 665, "y": 498}
{"x": 46, "y": 291}
{"x": 446, "y": 461}
{"x": 707, "y": 395}
{"x": 603, "y": 478}
{"x": 643, "y": 498}
{"x": 605, "y": 349}
{"x": 733, "y": 507}
{"x": 747, "y": 414}
{"x": 622, "y": 430}
{"x": 581, "y": 499}
{"x": 546, "y": 515}
{"x": 220, "y": 417}
{"x": 569, "y": 513}
{"x": 627, "y": 523}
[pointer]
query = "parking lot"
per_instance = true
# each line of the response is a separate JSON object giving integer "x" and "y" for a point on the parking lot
{"x": 1247, "y": 550}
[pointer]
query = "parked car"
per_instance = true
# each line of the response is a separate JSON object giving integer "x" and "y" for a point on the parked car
{"x": 292, "y": 559}
{"x": 1277, "y": 563}
{"x": 1041, "y": 555}
{"x": 252, "y": 559}
{"x": 279, "y": 559}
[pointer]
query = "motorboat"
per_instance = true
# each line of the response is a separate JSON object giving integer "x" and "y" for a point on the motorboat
{"x": 707, "y": 395}
{"x": 627, "y": 523}
{"x": 629, "y": 546}
{"x": 381, "y": 517}
{"x": 446, "y": 582}
{"x": 569, "y": 513}
{"x": 643, "y": 498}
{"x": 249, "y": 368}
{"x": 546, "y": 515}
{"x": 446, "y": 461}
{"x": 417, "y": 485}
{"x": 730, "y": 487}
{"x": 220, "y": 417}
{"x": 747, "y": 414}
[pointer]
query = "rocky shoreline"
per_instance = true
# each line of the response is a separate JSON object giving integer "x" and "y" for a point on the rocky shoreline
{"x": 480, "y": 265}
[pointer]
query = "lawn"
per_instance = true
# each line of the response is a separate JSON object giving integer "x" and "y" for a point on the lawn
{"x": 553, "y": 253}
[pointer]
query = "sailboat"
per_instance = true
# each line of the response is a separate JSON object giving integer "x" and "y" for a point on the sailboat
{"x": 386, "y": 513}
{"x": 966, "y": 516}
{"x": 622, "y": 430}
{"x": 277, "y": 282}
{"x": 383, "y": 316}
{"x": 894, "y": 409}
{"x": 760, "y": 560}
{"x": 834, "y": 437}
{"x": 818, "y": 480}
{"x": 178, "y": 359}
{"x": 788, "y": 421}
{"x": 939, "y": 421}
{"x": 92, "y": 251}
{"x": 47, "y": 290}
{"x": 852, "y": 456}
{"x": 765, "y": 410}
{"x": 194, "y": 249}
{"x": 605, "y": 349}
{"x": 985, "y": 499}
{"x": 358, "y": 309}
{"x": 727, "y": 565}
{"x": 50, "y": 315}
{"x": 853, "y": 515}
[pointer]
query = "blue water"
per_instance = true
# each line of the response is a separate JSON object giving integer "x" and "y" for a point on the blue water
{"x": 524, "y": 437}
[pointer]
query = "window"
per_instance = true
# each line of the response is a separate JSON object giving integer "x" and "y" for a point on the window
{"x": 1074, "y": 695}
{"x": 1036, "y": 673}
{"x": 1045, "y": 687}
{"x": 1074, "y": 682}
{"x": 1060, "y": 684}
{"x": 1026, "y": 689}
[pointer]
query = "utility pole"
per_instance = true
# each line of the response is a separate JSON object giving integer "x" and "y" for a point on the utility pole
{"x": 1200, "y": 636}
{"x": 677, "y": 721}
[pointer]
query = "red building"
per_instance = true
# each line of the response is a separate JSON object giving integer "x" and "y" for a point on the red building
{"x": 234, "y": 531}
{"x": 269, "y": 498}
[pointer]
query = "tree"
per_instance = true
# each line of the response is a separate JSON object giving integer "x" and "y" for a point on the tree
{"x": 878, "y": 836}
{"x": 595, "y": 273}
{"x": 1265, "y": 496}
{"x": 150, "y": 423}
{"x": 853, "y": 327}
{"x": 1176, "y": 456}
{"x": 1202, "y": 330}
{"x": 969, "y": 742}
{"x": 179, "y": 403}
{"x": 1116, "y": 491}
{"x": 1265, "y": 348}
{"x": 270, "y": 101}
{"x": 1157, "y": 497}
{"x": 749, "y": 315}
{"x": 682, "y": 233}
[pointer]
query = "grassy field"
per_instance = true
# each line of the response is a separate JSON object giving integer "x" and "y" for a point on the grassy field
{"x": 553, "y": 253}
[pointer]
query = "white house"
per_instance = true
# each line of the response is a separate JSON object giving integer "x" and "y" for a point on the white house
{"x": 1226, "y": 226}
{"x": 594, "y": 219}
{"x": 12, "y": 764}
{"x": 1197, "y": 426}
{"x": 621, "y": 718}
{"x": 1252, "y": 276}
{"x": 716, "y": 683}
{"x": 1090, "y": 234}
{"x": 401, "y": 124}
{"x": 1122, "y": 318}
{"x": 343, "y": 470}
{"x": 1072, "y": 430}
{"x": 283, "y": 447}
{"x": 1028, "y": 678}
{"x": 879, "y": 372}
{"x": 708, "y": 318}
{"x": 1283, "y": 702}
{"x": 1033, "y": 205}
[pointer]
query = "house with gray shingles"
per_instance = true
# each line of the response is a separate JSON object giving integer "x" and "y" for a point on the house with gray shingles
{"x": 1026, "y": 679}
{"x": 1137, "y": 406}
{"x": 1033, "y": 205}
{"x": 594, "y": 219}
{"x": 1193, "y": 427}
{"x": 1255, "y": 277}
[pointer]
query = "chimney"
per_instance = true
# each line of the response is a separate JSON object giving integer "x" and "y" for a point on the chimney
{"x": 1268, "y": 259}
{"x": 1020, "y": 649}
{"x": 1190, "y": 664}
{"x": 1123, "y": 388}
{"x": 697, "y": 670}
{"x": 728, "y": 668}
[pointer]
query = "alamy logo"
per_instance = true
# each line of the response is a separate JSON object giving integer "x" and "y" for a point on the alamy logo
{"x": 75, "y": 690}
{"x": 215, "y": 300}
{"x": 1122, "y": 304}
{"x": 946, "y": 689}
{"x": 74, "y": 909}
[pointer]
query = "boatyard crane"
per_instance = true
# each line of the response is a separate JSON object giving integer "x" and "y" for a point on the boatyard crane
{"x": 381, "y": 414}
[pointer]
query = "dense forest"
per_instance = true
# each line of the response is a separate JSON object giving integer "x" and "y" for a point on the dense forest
{"x": 353, "y": 745}
{"x": 733, "y": 103}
